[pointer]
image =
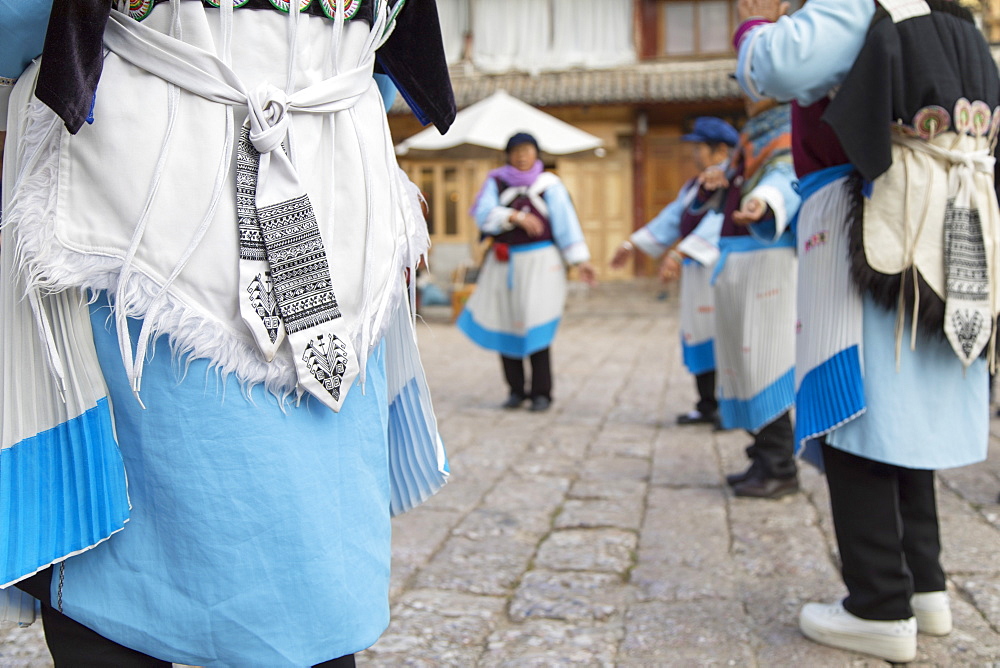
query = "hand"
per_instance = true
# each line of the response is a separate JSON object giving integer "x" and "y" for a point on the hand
{"x": 670, "y": 269}
{"x": 713, "y": 178}
{"x": 621, "y": 256}
{"x": 765, "y": 9}
{"x": 752, "y": 211}
{"x": 587, "y": 273}
{"x": 528, "y": 222}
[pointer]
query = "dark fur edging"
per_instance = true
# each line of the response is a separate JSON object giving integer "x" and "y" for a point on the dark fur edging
{"x": 884, "y": 288}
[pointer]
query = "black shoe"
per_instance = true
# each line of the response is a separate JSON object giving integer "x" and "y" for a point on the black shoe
{"x": 539, "y": 404}
{"x": 514, "y": 401}
{"x": 759, "y": 487}
{"x": 737, "y": 478}
{"x": 696, "y": 417}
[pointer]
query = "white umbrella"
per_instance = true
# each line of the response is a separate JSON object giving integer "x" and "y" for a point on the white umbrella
{"x": 489, "y": 123}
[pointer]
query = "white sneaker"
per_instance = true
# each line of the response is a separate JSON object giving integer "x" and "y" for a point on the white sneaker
{"x": 932, "y": 612}
{"x": 831, "y": 624}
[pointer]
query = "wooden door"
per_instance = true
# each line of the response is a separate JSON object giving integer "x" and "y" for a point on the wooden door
{"x": 602, "y": 193}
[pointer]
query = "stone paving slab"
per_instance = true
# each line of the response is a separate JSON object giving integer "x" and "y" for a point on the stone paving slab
{"x": 602, "y": 534}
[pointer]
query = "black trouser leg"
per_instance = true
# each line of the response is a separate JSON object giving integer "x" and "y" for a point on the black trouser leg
{"x": 513, "y": 371}
{"x": 72, "y": 644}
{"x": 921, "y": 534}
{"x": 774, "y": 448}
{"x": 541, "y": 374}
{"x": 342, "y": 662}
{"x": 879, "y": 526}
{"x": 707, "y": 403}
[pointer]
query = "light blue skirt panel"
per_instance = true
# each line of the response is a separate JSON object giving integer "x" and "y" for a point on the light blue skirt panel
{"x": 258, "y": 537}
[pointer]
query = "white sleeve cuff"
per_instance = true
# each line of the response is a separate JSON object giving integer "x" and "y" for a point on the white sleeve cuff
{"x": 700, "y": 250}
{"x": 644, "y": 240}
{"x": 776, "y": 201}
{"x": 498, "y": 221}
{"x": 576, "y": 253}
{"x": 744, "y": 65}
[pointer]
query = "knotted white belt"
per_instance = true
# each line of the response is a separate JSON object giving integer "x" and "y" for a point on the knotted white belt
{"x": 284, "y": 273}
{"x": 968, "y": 285}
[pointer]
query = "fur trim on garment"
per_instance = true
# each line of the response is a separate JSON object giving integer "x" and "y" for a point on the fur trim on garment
{"x": 51, "y": 267}
{"x": 884, "y": 288}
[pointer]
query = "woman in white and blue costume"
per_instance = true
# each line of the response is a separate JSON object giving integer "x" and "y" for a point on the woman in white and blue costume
{"x": 690, "y": 241}
{"x": 896, "y": 172}
{"x": 521, "y": 290}
{"x": 754, "y": 283}
{"x": 212, "y": 400}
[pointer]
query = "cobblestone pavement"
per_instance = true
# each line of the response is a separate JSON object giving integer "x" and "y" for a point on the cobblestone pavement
{"x": 601, "y": 534}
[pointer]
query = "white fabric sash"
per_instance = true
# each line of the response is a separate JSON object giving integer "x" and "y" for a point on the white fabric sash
{"x": 945, "y": 186}
{"x": 325, "y": 360}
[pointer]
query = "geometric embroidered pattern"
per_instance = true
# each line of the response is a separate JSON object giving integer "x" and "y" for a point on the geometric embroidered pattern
{"x": 967, "y": 324}
{"x": 265, "y": 304}
{"x": 299, "y": 268}
{"x": 353, "y": 9}
{"x": 967, "y": 276}
{"x": 247, "y": 162}
{"x": 350, "y": 8}
{"x": 139, "y": 9}
{"x": 326, "y": 359}
{"x": 283, "y": 5}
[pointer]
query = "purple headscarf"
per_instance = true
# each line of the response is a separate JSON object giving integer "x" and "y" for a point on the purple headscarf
{"x": 512, "y": 176}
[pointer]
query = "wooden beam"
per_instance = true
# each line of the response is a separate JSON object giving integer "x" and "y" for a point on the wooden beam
{"x": 646, "y": 29}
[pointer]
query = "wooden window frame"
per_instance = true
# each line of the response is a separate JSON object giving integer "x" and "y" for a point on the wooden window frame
{"x": 660, "y": 47}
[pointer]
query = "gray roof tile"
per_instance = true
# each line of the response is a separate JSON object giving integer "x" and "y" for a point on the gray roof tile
{"x": 648, "y": 82}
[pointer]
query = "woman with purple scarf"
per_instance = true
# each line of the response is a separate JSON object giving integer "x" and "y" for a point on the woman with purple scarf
{"x": 521, "y": 290}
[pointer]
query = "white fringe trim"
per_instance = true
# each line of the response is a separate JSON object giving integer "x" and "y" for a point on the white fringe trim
{"x": 48, "y": 267}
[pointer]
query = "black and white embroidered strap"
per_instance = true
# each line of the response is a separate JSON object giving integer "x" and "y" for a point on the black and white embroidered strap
{"x": 290, "y": 280}
{"x": 258, "y": 303}
{"x": 968, "y": 310}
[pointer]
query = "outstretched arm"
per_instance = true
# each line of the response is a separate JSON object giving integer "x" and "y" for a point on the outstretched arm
{"x": 801, "y": 56}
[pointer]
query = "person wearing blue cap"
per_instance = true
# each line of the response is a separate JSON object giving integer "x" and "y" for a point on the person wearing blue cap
{"x": 689, "y": 240}
{"x": 754, "y": 285}
{"x": 521, "y": 290}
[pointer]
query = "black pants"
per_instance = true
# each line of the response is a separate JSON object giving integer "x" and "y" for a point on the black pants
{"x": 885, "y": 519}
{"x": 73, "y": 645}
{"x": 541, "y": 374}
{"x": 707, "y": 403}
{"x": 773, "y": 448}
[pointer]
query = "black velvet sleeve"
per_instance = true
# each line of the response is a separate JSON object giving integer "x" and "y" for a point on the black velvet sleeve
{"x": 862, "y": 110}
{"x": 414, "y": 59}
{"x": 72, "y": 58}
{"x": 903, "y": 68}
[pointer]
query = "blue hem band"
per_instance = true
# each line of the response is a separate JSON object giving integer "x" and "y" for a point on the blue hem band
{"x": 700, "y": 357}
{"x": 829, "y": 395}
{"x": 414, "y": 472}
{"x": 62, "y": 491}
{"x": 755, "y": 413}
{"x": 505, "y": 343}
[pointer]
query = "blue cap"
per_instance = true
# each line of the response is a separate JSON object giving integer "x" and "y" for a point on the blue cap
{"x": 520, "y": 138}
{"x": 711, "y": 130}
